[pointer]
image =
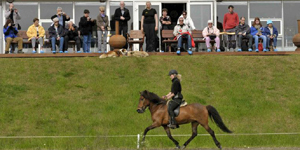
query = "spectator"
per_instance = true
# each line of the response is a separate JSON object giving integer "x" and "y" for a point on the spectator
{"x": 219, "y": 25}
{"x": 272, "y": 33}
{"x": 102, "y": 23}
{"x": 243, "y": 32}
{"x": 211, "y": 33}
{"x": 123, "y": 16}
{"x": 257, "y": 33}
{"x": 149, "y": 24}
{"x": 36, "y": 33}
{"x": 165, "y": 23}
{"x": 62, "y": 16}
{"x": 72, "y": 34}
{"x": 13, "y": 14}
{"x": 86, "y": 28}
{"x": 230, "y": 21}
{"x": 56, "y": 36}
{"x": 181, "y": 30}
{"x": 187, "y": 20}
{"x": 10, "y": 34}
{"x": 165, "y": 20}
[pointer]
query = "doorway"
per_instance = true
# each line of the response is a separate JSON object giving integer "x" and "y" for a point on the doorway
{"x": 174, "y": 11}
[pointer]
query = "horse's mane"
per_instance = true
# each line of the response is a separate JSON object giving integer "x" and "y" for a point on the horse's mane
{"x": 152, "y": 97}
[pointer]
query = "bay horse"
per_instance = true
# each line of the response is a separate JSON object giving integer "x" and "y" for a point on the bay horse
{"x": 193, "y": 113}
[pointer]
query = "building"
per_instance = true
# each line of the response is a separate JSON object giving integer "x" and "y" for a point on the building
{"x": 283, "y": 13}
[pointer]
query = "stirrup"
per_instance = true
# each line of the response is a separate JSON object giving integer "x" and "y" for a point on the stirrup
{"x": 173, "y": 126}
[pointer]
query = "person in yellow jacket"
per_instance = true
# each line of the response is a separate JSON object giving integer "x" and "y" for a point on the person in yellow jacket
{"x": 36, "y": 33}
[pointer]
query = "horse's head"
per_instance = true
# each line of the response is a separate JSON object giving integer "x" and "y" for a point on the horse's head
{"x": 143, "y": 102}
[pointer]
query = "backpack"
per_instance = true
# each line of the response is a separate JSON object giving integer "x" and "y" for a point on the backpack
{"x": 244, "y": 46}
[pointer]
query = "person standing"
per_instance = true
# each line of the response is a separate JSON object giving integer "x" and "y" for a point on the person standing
{"x": 230, "y": 21}
{"x": 102, "y": 23}
{"x": 36, "y": 33}
{"x": 72, "y": 34}
{"x": 243, "y": 32}
{"x": 86, "y": 28}
{"x": 187, "y": 20}
{"x": 149, "y": 24}
{"x": 165, "y": 22}
{"x": 122, "y": 15}
{"x": 13, "y": 14}
{"x": 10, "y": 32}
{"x": 62, "y": 16}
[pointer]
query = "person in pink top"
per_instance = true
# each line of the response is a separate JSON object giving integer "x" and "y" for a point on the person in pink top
{"x": 211, "y": 33}
{"x": 230, "y": 21}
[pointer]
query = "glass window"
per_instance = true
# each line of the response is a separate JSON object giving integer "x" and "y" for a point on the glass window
{"x": 46, "y": 25}
{"x": 291, "y": 15}
{"x": 28, "y": 11}
{"x": 266, "y": 9}
{"x": 200, "y": 14}
{"x": 113, "y": 7}
{"x": 48, "y": 9}
{"x": 240, "y": 8}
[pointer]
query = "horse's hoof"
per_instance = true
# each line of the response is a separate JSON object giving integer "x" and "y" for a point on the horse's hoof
{"x": 220, "y": 147}
{"x": 183, "y": 147}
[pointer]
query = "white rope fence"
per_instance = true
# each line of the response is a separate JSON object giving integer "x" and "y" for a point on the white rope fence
{"x": 139, "y": 136}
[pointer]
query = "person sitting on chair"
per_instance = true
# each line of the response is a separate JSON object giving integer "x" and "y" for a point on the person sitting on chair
{"x": 211, "y": 33}
{"x": 72, "y": 34}
{"x": 182, "y": 30}
{"x": 56, "y": 35}
{"x": 243, "y": 32}
{"x": 36, "y": 33}
{"x": 272, "y": 33}
{"x": 257, "y": 32}
{"x": 176, "y": 96}
{"x": 10, "y": 32}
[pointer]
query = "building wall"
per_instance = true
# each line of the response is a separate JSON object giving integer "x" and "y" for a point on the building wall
{"x": 283, "y": 13}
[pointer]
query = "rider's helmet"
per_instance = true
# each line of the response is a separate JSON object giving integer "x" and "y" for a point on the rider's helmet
{"x": 173, "y": 72}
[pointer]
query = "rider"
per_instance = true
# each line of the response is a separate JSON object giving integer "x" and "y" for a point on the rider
{"x": 176, "y": 96}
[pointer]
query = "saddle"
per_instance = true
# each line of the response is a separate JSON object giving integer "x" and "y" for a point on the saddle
{"x": 177, "y": 110}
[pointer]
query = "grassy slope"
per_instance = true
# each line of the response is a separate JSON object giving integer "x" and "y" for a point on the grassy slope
{"x": 89, "y": 96}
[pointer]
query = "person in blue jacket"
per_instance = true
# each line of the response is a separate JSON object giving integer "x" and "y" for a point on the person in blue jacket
{"x": 257, "y": 33}
{"x": 10, "y": 32}
{"x": 271, "y": 33}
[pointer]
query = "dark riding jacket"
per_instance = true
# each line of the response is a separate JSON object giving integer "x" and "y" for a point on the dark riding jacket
{"x": 176, "y": 89}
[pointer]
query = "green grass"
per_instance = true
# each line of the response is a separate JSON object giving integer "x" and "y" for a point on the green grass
{"x": 99, "y": 97}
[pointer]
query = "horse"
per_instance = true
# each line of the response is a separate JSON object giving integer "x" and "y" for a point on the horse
{"x": 193, "y": 113}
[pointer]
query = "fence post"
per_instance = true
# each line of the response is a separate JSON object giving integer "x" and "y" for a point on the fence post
{"x": 138, "y": 141}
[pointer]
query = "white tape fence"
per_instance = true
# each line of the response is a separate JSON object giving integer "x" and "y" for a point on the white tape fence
{"x": 139, "y": 136}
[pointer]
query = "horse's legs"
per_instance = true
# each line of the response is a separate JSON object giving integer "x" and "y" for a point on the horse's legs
{"x": 167, "y": 129}
{"x": 147, "y": 129}
{"x": 212, "y": 133}
{"x": 194, "y": 134}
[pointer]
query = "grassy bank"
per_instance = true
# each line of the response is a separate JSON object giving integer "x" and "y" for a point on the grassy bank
{"x": 98, "y": 97}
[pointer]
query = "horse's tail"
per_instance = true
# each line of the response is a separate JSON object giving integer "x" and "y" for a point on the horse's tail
{"x": 215, "y": 117}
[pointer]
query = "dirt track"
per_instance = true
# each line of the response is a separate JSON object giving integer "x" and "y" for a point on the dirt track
{"x": 254, "y": 148}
